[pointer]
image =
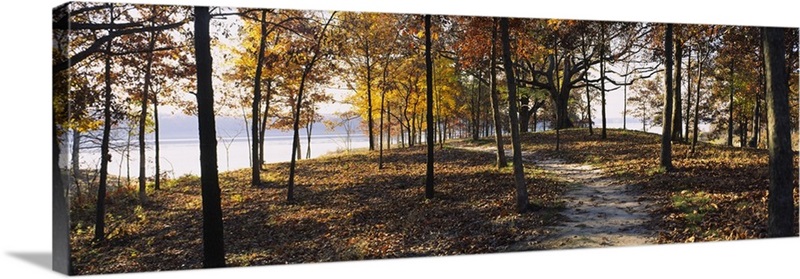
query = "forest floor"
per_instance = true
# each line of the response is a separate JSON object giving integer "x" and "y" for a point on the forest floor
{"x": 345, "y": 208}
{"x": 590, "y": 193}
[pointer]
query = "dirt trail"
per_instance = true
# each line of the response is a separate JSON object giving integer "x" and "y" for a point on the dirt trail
{"x": 599, "y": 210}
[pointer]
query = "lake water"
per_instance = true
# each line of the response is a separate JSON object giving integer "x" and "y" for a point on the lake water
{"x": 182, "y": 156}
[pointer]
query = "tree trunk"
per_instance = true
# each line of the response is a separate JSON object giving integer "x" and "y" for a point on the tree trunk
{"x": 143, "y": 121}
{"x": 781, "y": 200}
{"x": 757, "y": 110}
{"x": 624, "y": 100}
{"x": 524, "y": 114}
{"x": 309, "y": 128}
{"x": 76, "y": 163}
{"x": 743, "y": 132}
{"x": 389, "y": 127}
{"x": 697, "y": 101}
{"x": 478, "y": 107}
{"x": 264, "y": 124}
{"x": 429, "y": 109}
{"x": 157, "y": 144}
{"x": 128, "y": 157}
{"x": 756, "y": 123}
{"x": 688, "y": 95}
{"x": 666, "y": 132}
{"x": 562, "y": 112}
{"x": 380, "y": 144}
{"x": 255, "y": 180}
{"x": 247, "y": 133}
{"x": 100, "y": 211}
{"x": 586, "y": 88}
{"x": 603, "y": 134}
{"x": 730, "y": 107}
{"x": 677, "y": 120}
{"x": 519, "y": 172}
{"x": 370, "y": 121}
{"x": 213, "y": 240}
{"x": 498, "y": 137}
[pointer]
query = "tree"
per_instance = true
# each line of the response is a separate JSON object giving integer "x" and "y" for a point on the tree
{"x": 99, "y": 228}
{"x": 498, "y": 128}
{"x": 519, "y": 172}
{"x": 666, "y": 131}
{"x": 429, "y": 109}
{"x": 676, "y": 98}
{"x": 315, "y": 49}
{"x": 364, "y": 46}
{"x": 143, "y": 119}
{"x": 646, "y": 100}
{"x": 213, "y": 241}
{"x": 255, "y": 180}
{"x": 781, "y": 200}
{"x": 477, "y": 48}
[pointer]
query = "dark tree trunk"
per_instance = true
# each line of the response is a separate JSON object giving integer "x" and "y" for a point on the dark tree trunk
{"x": 383, "y": 112}
{"x": 624, "y": 101}
{"x": 524, "y": 114}
{"x": 264, "y": 123}
{"x": 666, "y": 132}
{"x": 309, "y": 128}
{"x": 498, "y": 127}
{"x": 677, "y": 101}
{"x": 586, "y": 88}
{"x": 100, "y": 212}
{"x": 213, "y": 240}
{"x": 688, "y": 95}
{"x": 756, "y": 123}
{"x": 389, "y": 127}
{"x": 677, "y": 120}
{"x": 697, "y": 101}
{"x": 603, "y": 134}
{"x": 730, "y": 107}
{"x": 429, "y": 109}
{"x": 757, "y": 110}
{"x": 519, "y": 172}
{"x": 76, "y": 163}
{"x": 781, "y": 200}
{"x": 143, "y": 121}
{"x": 743, "y": 132}
{"x": 562, "y": 112}
{"x": 255, "y": 180}
{"x": 478, "y": 107}
{"x": 370, "y": 120}
{"x": 157, "y": 144}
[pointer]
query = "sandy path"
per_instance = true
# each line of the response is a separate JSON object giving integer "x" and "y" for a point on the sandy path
{"x": 599, "y": 211}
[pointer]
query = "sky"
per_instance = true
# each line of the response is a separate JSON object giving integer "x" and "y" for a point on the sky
{"x": 26, "y": 204}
